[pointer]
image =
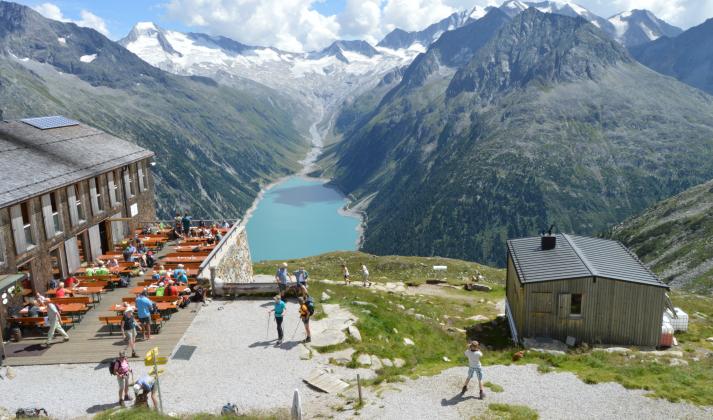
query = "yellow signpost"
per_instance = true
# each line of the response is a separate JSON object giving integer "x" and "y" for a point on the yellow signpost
{"x": 153, "y": 359}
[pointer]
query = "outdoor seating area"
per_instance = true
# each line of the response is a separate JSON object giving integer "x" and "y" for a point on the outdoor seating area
{"x": 92, "y": 305}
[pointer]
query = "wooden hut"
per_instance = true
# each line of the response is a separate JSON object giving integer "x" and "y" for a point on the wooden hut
{"x": 594, "y": 290}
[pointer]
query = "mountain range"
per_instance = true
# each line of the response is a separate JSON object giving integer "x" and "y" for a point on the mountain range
{"x": 550, "y": 121}
{"x": 489, "y": 124}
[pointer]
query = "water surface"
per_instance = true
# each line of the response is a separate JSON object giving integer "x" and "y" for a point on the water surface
{"x": 300, "y": 217}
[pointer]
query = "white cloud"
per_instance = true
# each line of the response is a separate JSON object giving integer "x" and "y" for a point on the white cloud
{"x": 295, "y": 25}
{"x": 87, "y": 18}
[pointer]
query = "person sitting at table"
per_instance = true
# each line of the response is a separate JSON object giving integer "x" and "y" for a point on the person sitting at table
{"x": 137, "y": 270}
{"x": 102, "y": 271}
{"x": 33, "y": 310}
{"x": 180, "y": 269}
{"x": 161, "y": 289}
{"x": 53, "y": 283}
{"x": 40, "y": 299}
{"x": 141, "y": 248}
{"x": 161, "y": 270}
{"x": 171, "y": 290}
{"x": 61, "y": 291}
{"x": 149, "y": 259}
{"x": 71, "y": 282}
{"x": 90, "y": 271}
{"x": 112, "y": 263}
{"x": 214, "y": 230}
{"x": 182, "y": 278}
{"x": 129, "y": 252}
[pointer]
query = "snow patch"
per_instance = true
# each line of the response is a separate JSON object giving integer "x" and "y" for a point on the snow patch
{"x": 62, "y": 41}
{"x": 88, "y": 58}
{"x": 146, "y": 26}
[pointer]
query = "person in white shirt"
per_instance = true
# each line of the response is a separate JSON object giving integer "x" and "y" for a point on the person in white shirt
{"x": 54, "y": 321}
{"x": 474, "y": 354}
{"x": 365, "y": 275}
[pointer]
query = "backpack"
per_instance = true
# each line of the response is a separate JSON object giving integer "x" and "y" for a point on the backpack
{"x": 310, "y": 306}
{"x": 114, "y": 366}
{"x": 229, "y": 409}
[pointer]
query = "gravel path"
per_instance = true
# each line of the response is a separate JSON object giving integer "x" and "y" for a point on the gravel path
{"x": 552, "y": 395}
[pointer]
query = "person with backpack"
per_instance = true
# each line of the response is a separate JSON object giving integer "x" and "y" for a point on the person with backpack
{"x": 305, "y": 314}
{"x": 54, "y": 321}
{"x": 144, "y": 307}
{"x": 365, "y": 275}
{"x": 282, "y": 278}
{"x": 473, "y": 354}
{"x": 279, "y": 311}
{"x": 121, "y": 369}
{"x": 128, "y": 329}
{"x": 345, "y": 273}
{"x": 143, "y": 387}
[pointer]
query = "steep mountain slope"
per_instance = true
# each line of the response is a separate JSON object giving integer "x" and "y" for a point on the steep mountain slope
{"x": 674, "y": 238}
{"x": 550, "y": 121}
{"x": 215, "y": 146}
{"x": 638, "y": 27}
{"x": 687, "y": 57}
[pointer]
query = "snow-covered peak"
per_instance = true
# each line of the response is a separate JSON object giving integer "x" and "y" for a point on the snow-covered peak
{"x": 148, "y": 36}
{"x": 513, "y": 7}
{"x": 477, "y": 12}
{"x": 637, "y": 27}
{"x": 146, "y": 26}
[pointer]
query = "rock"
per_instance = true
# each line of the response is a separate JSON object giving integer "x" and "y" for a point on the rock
{"x": 459, "y": 330}
{"x": 402, "y": 307}
{"x": 399, "y": 363}
{"x": 709, "y": 339}
{"x": 677, "y": 362}
{"x": 408, "y": 342}
{"x": 613, "y": 349}
{"x": 330, "y": 337}
{"x": 548, "y": 351}
{"x": 419, "y": 316}
{"x": 446, "y": 359}
{"x": 479, "y": 318}
{"x": 664, "y": 353}
{"x": 395, "y": 331}
{"x": 478, "y": 287}
{"x": 325, "y": 296}
{"x": 305, "y": 353}
{"x": 366, "y": 311}
{"x": 570, "y": 341}
{"x": 387, "y": 362}
{"x": 376, "y": 363}
{"x": 360, "y": 303}
{"x": 364, "y": 360}
{"x": 481, "y": 300}
{"x": 410, "y": 311}
{"x": 341, "y": 357}
{"x": 354, "y": 332}
{"x": 544, "y": 343}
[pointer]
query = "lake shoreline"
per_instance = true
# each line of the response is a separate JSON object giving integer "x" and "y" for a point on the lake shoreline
{"x": 351, "y": 209}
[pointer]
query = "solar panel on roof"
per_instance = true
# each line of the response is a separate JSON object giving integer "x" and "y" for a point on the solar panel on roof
{"x": 45, "y": 123}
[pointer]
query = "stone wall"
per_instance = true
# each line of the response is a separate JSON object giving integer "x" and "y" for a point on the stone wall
{"x": 231, "y": 262}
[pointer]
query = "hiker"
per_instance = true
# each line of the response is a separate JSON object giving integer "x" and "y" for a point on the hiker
{"x": 33, "y": 309}
{"x": 304, "y": 316}
{"x": 177, "y": 224}
{"x": 345, "y": 271}
{"x": 365, "y": 275}
{"x": 178, "y": 271}
{"x": 54, "y": 321}
{"x": 474, "y": 354}
{"x": 144, "y": 306}
{"x": 102, "y": 271}
{"x": 61, "y": 291}
{"x": 144, "y": 386}
{"x": 282, "y": 278}
{"x": 71, "y": 282}
{"x": 89, "y": 271}
{"x": 198, "y": 297}
{"x": 279, "y": 311}
{"x": 129, "y": 252}
{"x": 186, "y": 222}
{"x": 301, "y": 276}
{"x": 128, "y": 329}
{"x": 120, "y": 367}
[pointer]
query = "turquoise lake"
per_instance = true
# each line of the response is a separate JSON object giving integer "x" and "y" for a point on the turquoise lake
{"x": 300, "y": 217}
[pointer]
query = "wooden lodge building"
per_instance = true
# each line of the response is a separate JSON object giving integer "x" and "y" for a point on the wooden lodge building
{"x": 594, "y": 290}
{"x": 68, "y": 193}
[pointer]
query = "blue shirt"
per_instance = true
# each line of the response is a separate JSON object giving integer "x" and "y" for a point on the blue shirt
{"x": 280, "y": 309}
{"x": 301, "y": 276}
{"x": 146, "y": 382}
{"x": 143, "y": 306}
{"x": 177, "y": 272}
{"x": 283, "y": 275}
{"x": 182, "y": 278}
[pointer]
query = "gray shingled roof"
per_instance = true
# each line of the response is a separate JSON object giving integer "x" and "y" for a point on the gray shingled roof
{"x": 578, "y": 257}
{"x": 35, "y": 161}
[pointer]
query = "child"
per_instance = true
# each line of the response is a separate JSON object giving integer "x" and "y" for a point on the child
{"x": 345, "y": 271}
{"x": 365, "y": 275}
{"x": 474, "y": 354}
{"x": 304, "y": 316}
{"x": 279, "y": 311}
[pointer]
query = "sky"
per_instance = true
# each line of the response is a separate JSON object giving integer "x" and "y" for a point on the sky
{"x": 305, "y": 25}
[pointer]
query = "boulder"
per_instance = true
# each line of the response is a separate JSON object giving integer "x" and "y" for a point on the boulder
{"x": 376, "y": 363}
{"x": 325, "y": 296}
{"x": 399, "y": 363}
{"x": 677, "y": 362}
{"x": 548, "y": 351}
{"x": 709, "y": 339}
{"x": 613, "y": 349}
{"x": 387, "y": 362}
{"x": 330, "y": 337}
{"x": 341, "y": 357}
{"x": 664, "y": 353}
{"x": 408, "y": 342}
{"x": 364, "y": 360}
{"x": 420, "y": 317}
{"x": 354, "y": 332}
{"x": 402, "y": 307}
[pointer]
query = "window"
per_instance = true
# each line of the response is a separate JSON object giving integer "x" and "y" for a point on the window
{"x": 143, "y": 174}
{"x": 575, "y": 307}
{"x": 100, "y": 196}
{"x": 78, "y": 203}
{"x": 113, "y": 187}
{"x": 27, "y": 225}
{"x": 55, "y": 213}
{"x": 95, "y": 196}
{"x": 128, "y": 182}
{"x": 56, "y": 264}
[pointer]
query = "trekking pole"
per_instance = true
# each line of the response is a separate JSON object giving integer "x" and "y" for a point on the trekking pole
{"x": 296, "y": 327}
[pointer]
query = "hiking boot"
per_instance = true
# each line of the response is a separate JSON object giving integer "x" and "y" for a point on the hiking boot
{"x": 482, "y": 394}
{"x": 134, "y": 355}
{"x": 465, "y": 388}
{"x": 66, "y": 339}
{"x": 278, "y": 342}
{"x": 127, "y": 397}
{"x": 308, "y": 339}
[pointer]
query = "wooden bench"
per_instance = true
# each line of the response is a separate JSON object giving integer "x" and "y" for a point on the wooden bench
{"x": 115, "y": 320}
{"x": 38, "y": 322}
{"x": 170, "y": 299}
{"x": 79, "y": 299}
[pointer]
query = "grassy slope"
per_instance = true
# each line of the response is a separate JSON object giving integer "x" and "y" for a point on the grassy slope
{"x": 434, "y": 340}
{"x": 674, "y": 237}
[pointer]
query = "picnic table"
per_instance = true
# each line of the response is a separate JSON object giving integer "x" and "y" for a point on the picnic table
{"x": 152, "y": 289}
{"x": 162, "y": 307}
{"x": 184, "y": 259}
{"x": 71, "y": 309}
{"x": 197, "y": 248}
{"x": 95, "y": 292}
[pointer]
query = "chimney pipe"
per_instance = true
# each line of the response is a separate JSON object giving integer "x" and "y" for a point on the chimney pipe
{"x": 548, "y": 240}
